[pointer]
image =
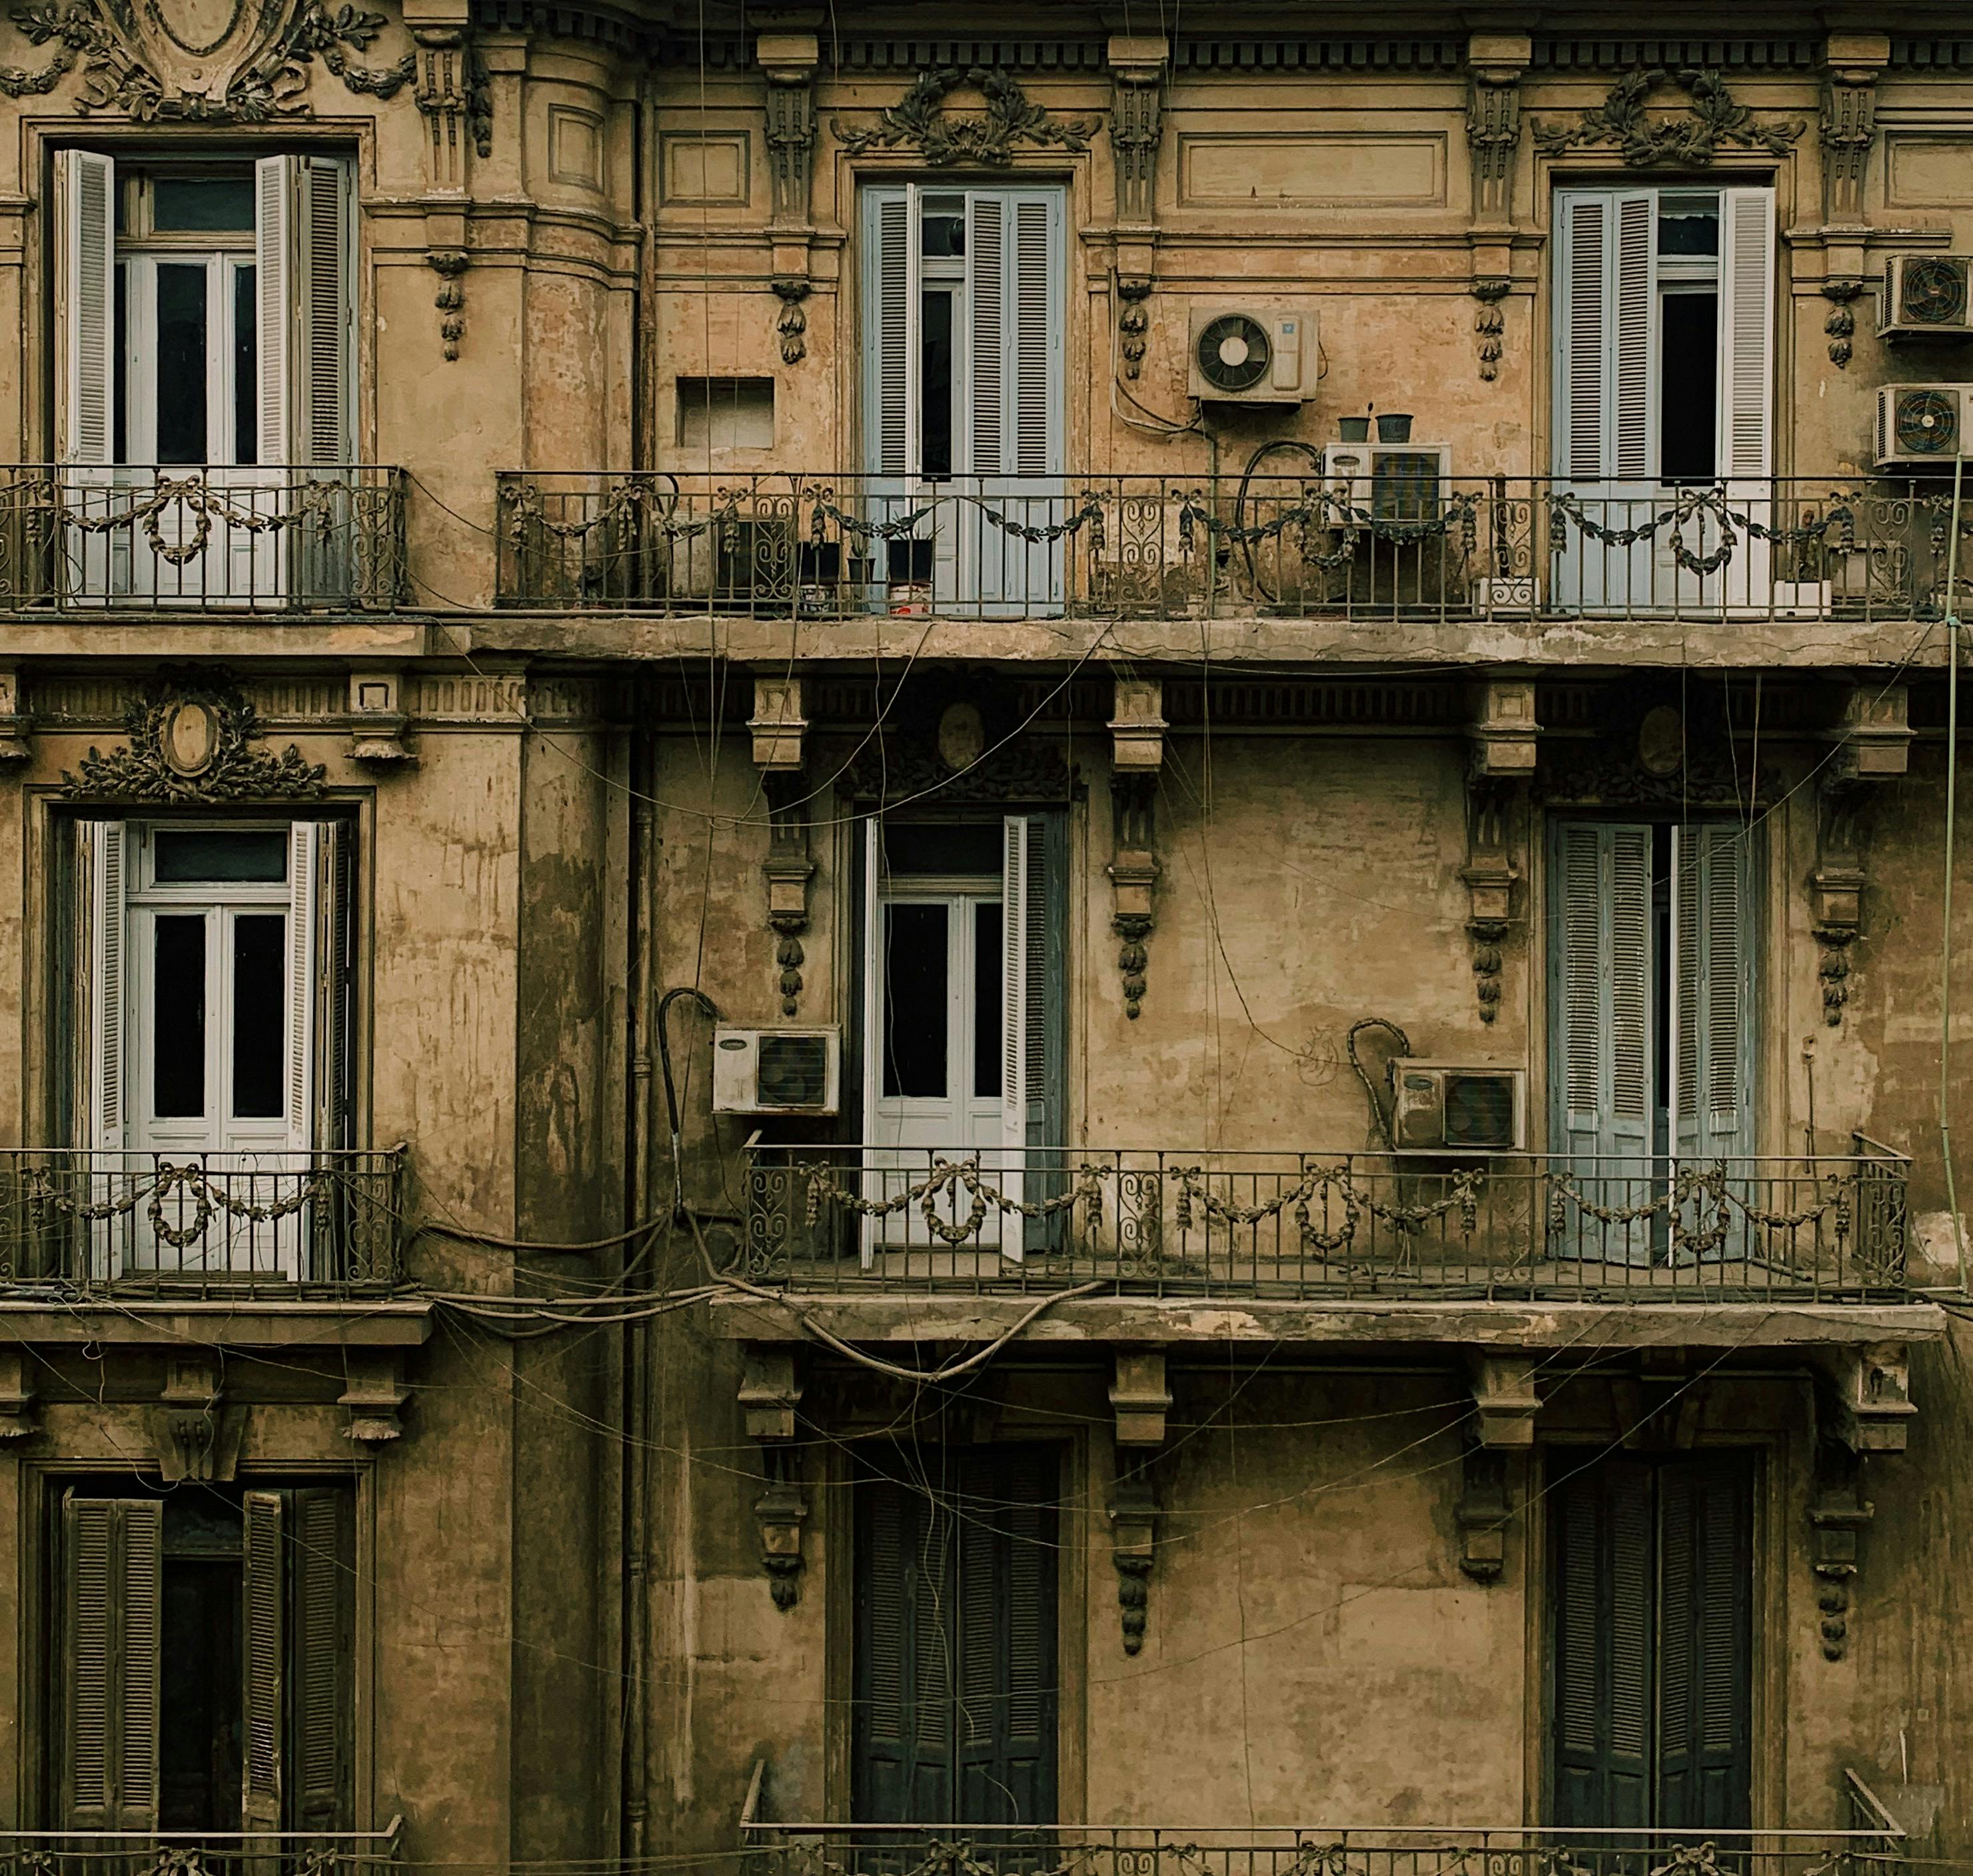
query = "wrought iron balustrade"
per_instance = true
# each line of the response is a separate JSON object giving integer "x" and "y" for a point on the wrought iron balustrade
{"x": 1503, "y": 1226}
{"x": 1413, "y": 546}
{"x": 186, "y": 538}
{"x": 1123, "y": 1850}
{"x": 198, "y": 1853}
{"x": 231, "y": 1224}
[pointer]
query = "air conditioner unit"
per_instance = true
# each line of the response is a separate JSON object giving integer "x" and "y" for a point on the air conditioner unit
{"x": 1452, "y": 1107}
{"x": 1927, "y": 295}
{"x": 781, "y": 1071}
{"x": 1386, "y": 481}
{"x": 1923, "y": 423}
{"x": 1252, "y": 354}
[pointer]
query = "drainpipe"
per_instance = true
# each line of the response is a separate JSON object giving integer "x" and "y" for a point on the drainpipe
{"x": 1951, "y": 800}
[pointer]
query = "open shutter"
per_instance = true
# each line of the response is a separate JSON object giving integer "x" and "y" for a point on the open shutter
{"x": 321, "y": 1657}
{"x": 890, "y": 322}
{"x": 103, "y": 851}
{"x": 325, "y": 305}
{"x": 1582, "y": 319}
{"x": 1035, "y": 401}
{"x": 86, "y": 305}
{"x": 1705, "y": 1626}
{"x": 112, "y": 1561}
{"x": 1632, "y": 374}
{"x": 1713, "y": 988}
{"x": 274, "y": 196}
{"x": 335, "y": 1091}
{"x": 1747, "y": 333}
{"x": 263, "y": 1602}
{"x": 1014, "y": 880}
{"x": 1600, "y": 940}
{"x": 989, "y": 353}
{"x": 304, "y": 843}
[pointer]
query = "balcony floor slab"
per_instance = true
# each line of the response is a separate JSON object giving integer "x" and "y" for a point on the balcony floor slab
{"x": 257, "y": 1322}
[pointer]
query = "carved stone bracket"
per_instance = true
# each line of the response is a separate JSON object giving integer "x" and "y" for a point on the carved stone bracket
{"x": 1713, "y": 122}
{"x": 374, "y": 1393}
{"x": 1494, "y": 63}
{"x": 1841, "y": 326}
{"x": 788, "y": 62}
{"x": 787, "y": 870}
{"x": 777, "y": 724}
{"x": 1875, "y": 747}
{"x": 1133, "y": 1527}
{"x": 770, "y": 1390}
{"x": 378, "y": 719}
{"x": 1138, "y": 727}
{"x": 17, "y": 1419}
{"x": 190, "y": 736}
{"x": 791, "y": 324}
{"x": 1849, "y": 127}
{"x": 1140, "y": 1396}
{"x": 919, "y": 121}
{"x": 449, "y": 264}
{"x": 1871, "y": 1391}
{"x": 1134, "y": 876}
{"x": 1838, "y": 1514}
{"x": 1503, "y": 736}
{"x": 16, "y": 729}
{"x": 1136, "y": 123}
{"x": 1504, "y": 1396}
{"x": 1483, "y": 1512}
{"x": 193, "y": 1433}
{"x": 455, "y": 93}
{"x": 1491, "y": 323}
{"x": 1133, "y": 325}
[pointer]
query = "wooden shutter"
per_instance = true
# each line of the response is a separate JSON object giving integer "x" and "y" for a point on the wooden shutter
{"x": 264, "y": 1656}
{"x": 103, "y": 853}
{"x": 1632, "y": 376}
{"x": 85, "y": 306}
{"x": 304, "y": 844}
{"x": 1747, "y": 333}
{"x": 111, "y": 1564}
{"x": 1014, "y": 882}
{"x": 1035, "y": 322}
{"x": 1581, "y": 322}
{"x": 321, "y": 1658}
{"x": 274, "y": 196}
{"x": 1713, "y": 987}
{"x": 989, "y": 354}
{"x": 1606, "y": 334}
{"x": 1705, "y": 1628}
{"x": 1601, "y": 969}
{"x": 335, "y": 910}
{"x": 325, "y": 305}
{"x": 890, "y": 326}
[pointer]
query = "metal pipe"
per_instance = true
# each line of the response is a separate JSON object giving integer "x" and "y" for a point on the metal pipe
{"x": 1952, "y": 793}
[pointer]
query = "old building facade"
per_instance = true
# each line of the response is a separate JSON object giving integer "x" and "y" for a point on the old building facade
{"x": 1037, "y": 934}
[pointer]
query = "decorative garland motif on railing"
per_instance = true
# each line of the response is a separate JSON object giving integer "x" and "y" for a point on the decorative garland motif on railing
{"x": 194, "y": 495}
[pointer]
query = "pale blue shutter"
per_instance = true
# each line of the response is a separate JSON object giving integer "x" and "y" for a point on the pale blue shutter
{"x": 1715, "y": 897}
{"x": 1601, "y": 972}
{"x": 889, "y": 376}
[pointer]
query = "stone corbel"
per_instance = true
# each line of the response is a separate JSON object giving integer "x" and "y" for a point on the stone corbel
{"x": 15, "y": 729}
{"x": 1842, "y": 291}
{"x": 771, "y": 1390}
{"x": 1139, "y": 1396}
{"x": 1490, "y": 323}
{"x": 791, "y": 327}
{"x": 1871, "y": 1387}
{"x": 1136, "y": 123}
{"x": 1133, "y": 1528}
{"x": 449, "y": 264}
{"x": 1853, "y": 61}
{"x": 1134, "y": 876}
{"x": 777, "y": 724}
{"x": 1875, "y": 747}
{"x": 1133, "y": 324}
{"x": 788, "y": 63}
{"x": 1504, "y": 1397}
{"x": 374, "y": 1393}
{"x": 1838, "y": 1514}
{"x": 1494, "y": 64}
{"x": 1483, "y": 1512}
{"x": 377, "y": 721}
{"x": 787, "y": 870}
{"x": 195, "y": 1434}
{"x": 1504, "y": 736}
{"x": 18, "y": 1417}
{"x": 1138, "y": 727}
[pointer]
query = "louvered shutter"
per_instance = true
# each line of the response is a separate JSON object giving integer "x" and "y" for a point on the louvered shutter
{"x": 264, "y": 1598}
{"x": 1014, "y": 1028}
{"x": 103, "y": 852}
{"x": 1035, "y": 396}
{"x": 1632, "y": 375}
{"x": 86, "y": 303}
{"x": 303, "y": 991}
{"x": 325, "y": 303}
{"x": 1747, "y": 333}
{"x": 1582, "y": 319}
{"x": 1600, "y": 945}
{"x": 112, "y": 1563}
{"x": 275, "y": 192}
{"x": 321, "y": 1658}
{"x": 1713, "y": 988}
{"x": 890, "y": 325}
{"x": 335, "y": 911}
{"x": 1704, "y": 1624}
{"x": 1045, "y": 1045}
{"x": 989, "y": 352}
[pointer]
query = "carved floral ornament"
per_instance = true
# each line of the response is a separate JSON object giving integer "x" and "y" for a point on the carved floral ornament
{"x": 190, "y": 734}
{"x": 919, "y": 120}
{"x": 1714, "y": 122}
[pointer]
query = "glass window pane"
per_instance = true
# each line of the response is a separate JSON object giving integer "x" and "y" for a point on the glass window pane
{"x": 966, "y": 849}
{"x": 180, "y": 364}
{"x": 182, "y": 855}
{"x": 177, "y": 1017}
{"x": 259, "y": 1038}
{"x": 119, "y": 444}
{"x": 1688, "y": 425}
{"x": 915, "y": 1015}
{"x": 202, "y": 204}
{"x": 246, "y": 369}
{"x": 935, "y": 382}
{"x": 987, "y": 1030}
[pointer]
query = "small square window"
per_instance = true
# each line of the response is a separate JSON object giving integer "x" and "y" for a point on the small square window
{"x": 726, "y": 414}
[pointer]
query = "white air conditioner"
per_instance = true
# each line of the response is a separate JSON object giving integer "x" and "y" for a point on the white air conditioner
{"x": 1252, "y": 354}
{"x": 1386, "y": 481}
{"x": 1918, "y": 424}
{"x": 1457, "y": 1107}
{"x": 779, "y": 1071}
{"x": 1927, "y": 295}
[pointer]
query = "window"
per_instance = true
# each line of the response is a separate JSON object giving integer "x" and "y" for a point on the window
{"x": 719, "y": 413}
{"x": 215, "y": 1011}
{"x": 206, "y": 1647}
{"x": 1650, "y": 1635}
{"x": 963, "y": 1043}
{"x": 954, "y": 1713}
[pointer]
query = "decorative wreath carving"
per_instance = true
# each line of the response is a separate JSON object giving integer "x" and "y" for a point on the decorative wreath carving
{"x": 898, "y": 768}
{"x": 189, "y": 737}
{"x": 1716, "y": 122}
{"x": 919, "y": 120}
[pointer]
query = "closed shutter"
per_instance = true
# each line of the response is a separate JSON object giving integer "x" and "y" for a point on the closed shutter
{"x": 103, "y": 851}
{"x": 1035, "y": 396}
{"x": 1747, "y": 333}
{"x": 304, "y": 845}
{"x": 1713, "y": 987}
{"x": 274, "y": 196}
{"x": 1606, "y": 335}
{"x": 988, "y": 379}
{"x": 111, "y": 1564}
{"x": 263, "y": 1603}
{"x": 321, "y": 1658}
{"x": 335, "y": 914}
{"x": 86, "y": 303}
{"x": 890, "y": 324}
{"x": 1014, "y": 1031}
{"x": 1600, "y": 941}
{"x": 1046, "y": 1019}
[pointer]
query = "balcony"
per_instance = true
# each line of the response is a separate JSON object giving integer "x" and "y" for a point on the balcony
{"x": 279, "y": 540}
{"x": 232, "y": 1226}
{"x": 202, "y": 1853}
{"x": 1400, "y": 545}
{"x": 1328, "y": 1228}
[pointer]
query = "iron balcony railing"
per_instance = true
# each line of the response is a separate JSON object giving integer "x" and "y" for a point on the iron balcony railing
{"x": 1160, "y": 1222}
{"x": 1115, "y": 1850}
{"x": 185, "y": 538}
{"x": 1398, "y": 542}
{"x": 198, "y": 1853}
{"x": 231, "y": 1224}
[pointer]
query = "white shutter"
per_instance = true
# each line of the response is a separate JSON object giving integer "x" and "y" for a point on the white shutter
{"x": 1747, "y": 333}
{"x": 1014, "y": 983}
{"x": 1712, "y": 985}
{"x": 1628, "y": 898}
{"x": 304, "y": 838}
{"x": 890, "y": 325}
{"x": 86, "y": 305}
{"x": 1582, "y": 320}
{"x": 1632, "y": 374}
{"x": 1606, "y": 334}
{"x": 987, "y": 335}
{"x": 103, "y": 850}
{"x": 1037, "y": 346}
{"x": 1601, "y": 933}
{"x": 325, "y": 306}
{"x": 274, "y": 190}
{"x": 1579, "y": 883}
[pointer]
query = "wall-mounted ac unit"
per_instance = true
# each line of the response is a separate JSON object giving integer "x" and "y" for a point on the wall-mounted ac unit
{"x": 1927, "y": 296}
{"x": 1923, "y": 423}
{"x": 779, "y": 1071}
{"x": 1252, "y": 354}
{"x": 1453, "y": 1107}
{"x": 1386, "y": 481}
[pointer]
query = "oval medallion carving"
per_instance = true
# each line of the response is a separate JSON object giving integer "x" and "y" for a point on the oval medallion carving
{"x": 199, "y": 27}
{"x": 191, "y": 737}
{"x": 1661, "y": 741}
{"x": 962, "y": 735}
